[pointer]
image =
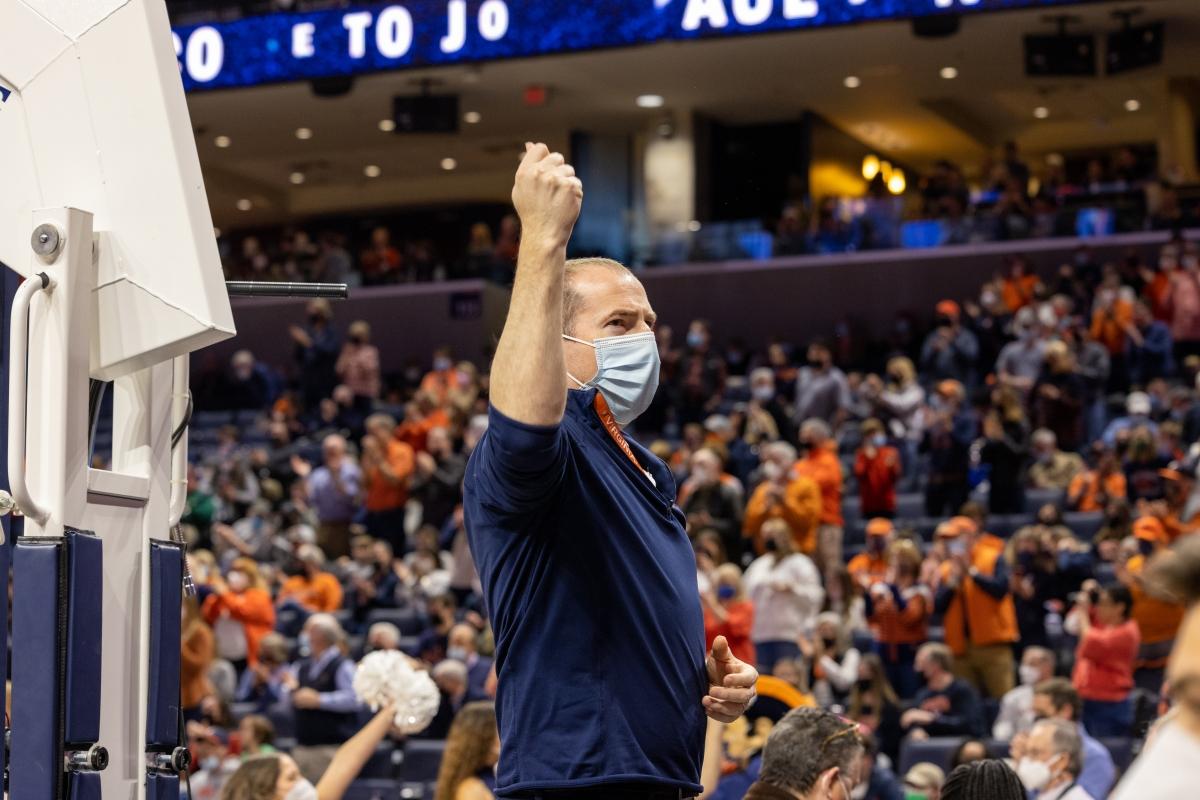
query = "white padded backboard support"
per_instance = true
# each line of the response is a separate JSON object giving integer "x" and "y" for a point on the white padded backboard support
{"x": 93, "y": 116}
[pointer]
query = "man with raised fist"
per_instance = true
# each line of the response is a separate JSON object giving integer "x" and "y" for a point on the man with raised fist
{"x": 588, "y": 574}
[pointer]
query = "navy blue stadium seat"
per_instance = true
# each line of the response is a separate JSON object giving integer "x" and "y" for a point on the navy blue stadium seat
{"x": 286, "y": 745}
{"x": 284, "y": 719}
{"x": 381, "y": 764}
{"x": 411, "y": 645}
{"x": 855, "y": 535}
{"x": 1036, "y": 498}
{"x": 936, "y": 751}
{"x": 1084, "y": 524}
{"x": 991, "y": 710}
{"x": 422, "y": 759}
{"x": 996, "y": 748}
{"x": 373, "y": 789}
{"x": 910, "y": 505}
{"x": 1121, "y": 750}
{"x": 408, "y": 620}
{"x": 1005, "y": 525}
{"x": 289, "y": 620}
{"x": 240, "y": 710}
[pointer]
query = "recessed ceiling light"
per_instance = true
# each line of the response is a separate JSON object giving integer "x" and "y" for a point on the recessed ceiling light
{"x": 222, "y": 141}
{"x": 1041, "y": 112}
{"x": 472, "y": 117}
{"x": 372, "y": 171}
{"x": 949, "y": 73}
{"x": 650, "y": 101}
{"x": 449, "y": 164}
{"x": 387, "y": 125}
{"x": 852, "y": 82}
{"x": 296, "y": 178}
{"x": 244, "y": 204}
{"x": 303, "y": 133}
{"x": 1132, "y": 105}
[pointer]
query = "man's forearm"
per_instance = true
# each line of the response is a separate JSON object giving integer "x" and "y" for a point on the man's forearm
{"x": 529, "y": 381}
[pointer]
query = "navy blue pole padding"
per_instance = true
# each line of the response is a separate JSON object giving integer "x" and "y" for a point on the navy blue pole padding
{"x": 166, "y": 597}
{"x": 85, "y": 627}
{"x": 162, "y": 787}
{"x": 36, "y": 760}
{"x": 9, "y": 280}
{"x": 84, "y": 786}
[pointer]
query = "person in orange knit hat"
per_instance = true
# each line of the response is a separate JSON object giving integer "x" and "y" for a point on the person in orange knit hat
{"x": 871, "y": 566}
{"x": 1157, "y": 619}
{"x": 977, "y": 606}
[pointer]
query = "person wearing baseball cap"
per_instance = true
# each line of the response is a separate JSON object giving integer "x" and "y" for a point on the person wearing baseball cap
{"x": 950, "y": 350}
{"x": 1137, "y": 415}
{"x": 924, "y": 782}
{"x": 871, "y": 566}
{"x": 1157, "y": 619}
{"x": 979, "y": 615}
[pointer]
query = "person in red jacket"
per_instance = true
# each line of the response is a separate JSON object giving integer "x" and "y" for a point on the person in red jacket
{"x": 878, "y": 469}
{"x": 728, "y": 613}
{"x": 1108, "y": 646}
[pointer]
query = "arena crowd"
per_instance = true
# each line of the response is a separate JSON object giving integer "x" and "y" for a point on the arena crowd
{"x": 942, "y": 538}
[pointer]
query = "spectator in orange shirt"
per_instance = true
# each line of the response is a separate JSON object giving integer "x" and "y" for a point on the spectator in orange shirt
{"x": 1157, "y": 619}
{"x": 1092, "y": 490}
{"x": 728, "y": 613}
{"x": 796, "y": 500}
{"x": 1020, "y": 287}
{"x": 387, "y": 465}
{"x": 821, "y": 465}
{"x": 878, "y": 469}
{"x": 314, "y": 590}
{"x": 421, "y": 416}
{"x": 1113, "y": 327}
{"x": 871, "y": 566}
{"x": 440, "y": 380}
{"x": 898, "y": 610}
{"x": 240, "y": 611}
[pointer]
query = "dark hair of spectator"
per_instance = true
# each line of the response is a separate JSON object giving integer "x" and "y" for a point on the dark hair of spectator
{"x": 1119, "y": 594}
{"x": 990, "y": 779}
{"x": 806, "y": 743}
{"x": 959, "y": 758}
{"x": 1062, "y": 694}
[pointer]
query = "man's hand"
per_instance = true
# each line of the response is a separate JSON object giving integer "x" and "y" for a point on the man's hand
{"x": 916, "y": 717}
{"x": 547, "y": 196}
{"x": 306, "y": 698}
{"x": 731, "y": 683}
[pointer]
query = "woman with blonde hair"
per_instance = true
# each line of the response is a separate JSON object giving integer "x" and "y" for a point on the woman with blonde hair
{"x": 900, "y": 403}
{"x": 472, "y": 751}
{"x": 898, "y": 611}
{"x": 240, "y": 611}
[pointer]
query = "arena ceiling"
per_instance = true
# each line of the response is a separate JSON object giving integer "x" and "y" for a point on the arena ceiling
{"x": 902, "y": 105}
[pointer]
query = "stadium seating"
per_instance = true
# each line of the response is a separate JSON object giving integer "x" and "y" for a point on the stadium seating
{"x": 422, "y": 758}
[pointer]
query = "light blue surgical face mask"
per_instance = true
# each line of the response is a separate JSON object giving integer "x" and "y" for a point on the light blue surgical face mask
{"x": 626, "y": 373}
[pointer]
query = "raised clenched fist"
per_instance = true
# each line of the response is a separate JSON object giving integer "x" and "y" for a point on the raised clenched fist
{"x": 547, "y": 196}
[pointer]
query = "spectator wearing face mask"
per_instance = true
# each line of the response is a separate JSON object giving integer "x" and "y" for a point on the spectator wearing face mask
{"x": 950, "y": 351}
{"x": 875, "y": 780}
{"x": 1137, "y": 408}
{"x": 820, "y": 463}
{"x": 975, "y": 600}
{"x": 834, "y": 660}
{"x": 786, "y": 591}
{"x": 810, "y": 755}
{"x": 730, "y": 613}
{"x": 709, "y": 502}
{"x": 878, "y": 468}
{"x": 463, "y": 646}
{"x": 946, "y": 706}
{"x": 1016, "y": 707}
{"x": 873, "y": 704}
{"x": 1053, "y": 761}
{"x": 1104, "y": 658}
{"x": 950, "y": 429}
{"x": 441, "y": 378}
{"x": 333, "y": 489}
{"x": 765, "y": 393}
{"x": 322, "y": 695}
{"x": 782, "y": 495}
{"x": 1151, "y": 354}
{"x": 1056, "y": 699}
{"x": 1157, "y": 618}
{"x": 871, "y": 566}
{"x": 900, "y": 400}
{"x": 313, "y": 589}
{"x": 264, "y": 683}
{"x": 1020, "y": 362}
{"x": 822, "y": 391}
{"x": 1095, "y": 488}
{"x": 249, "y": 384}
{"x": 1059, "y": 397}
{"x": 316, "y": 352}
{"x": 358, "y": 365}
{"x": 898, "y": 610}
{"x": 1006, "y": 450}
{"x": 1052, "y": 468}
{"x": 437, "y": 481}
{"x": 387, "y": 468}
{"x": 1183, "y": 308}
{"x": 240, "y": 611}
{"x": 215, "y": 765}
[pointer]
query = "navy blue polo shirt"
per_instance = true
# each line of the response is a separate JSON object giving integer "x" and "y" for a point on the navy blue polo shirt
{"x": 590, "y": 584}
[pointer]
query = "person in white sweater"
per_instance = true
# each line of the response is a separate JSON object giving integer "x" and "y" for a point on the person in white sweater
{"x": 787, "y": 593}
{"x": 834, "y": 661}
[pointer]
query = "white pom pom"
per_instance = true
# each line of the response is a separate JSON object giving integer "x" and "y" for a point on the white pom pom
{"x": 385, "y": 677}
